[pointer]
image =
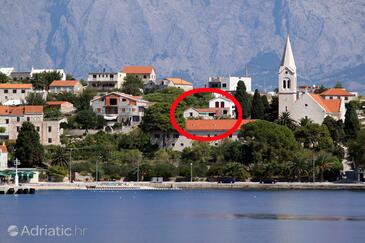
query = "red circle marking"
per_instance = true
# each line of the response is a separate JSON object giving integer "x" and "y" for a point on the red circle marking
{"x": 205, "y": 90}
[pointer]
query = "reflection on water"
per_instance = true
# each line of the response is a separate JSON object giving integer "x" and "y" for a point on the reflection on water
{"x": 231, "y": 216}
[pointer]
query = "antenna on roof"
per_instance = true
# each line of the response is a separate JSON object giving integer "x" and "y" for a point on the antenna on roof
{"x": 246, "y": 72}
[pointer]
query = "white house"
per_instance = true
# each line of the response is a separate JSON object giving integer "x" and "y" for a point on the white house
{"x": 59, "y": 86}
{"x": 60, "y": 71}
{"x": 229, "y": 84}
{"x": 176, "y": 82}
{"x": 7, "y": 70}
{"x": 226, "y": 104}
{"x": 105, "y": 80}
{"x": 304, "y": 105}
{"x": 205, "y": 113}
{"x": 145, "y": 73}
{"x": 3, "y": 157}
{"x": 14, "y": 93}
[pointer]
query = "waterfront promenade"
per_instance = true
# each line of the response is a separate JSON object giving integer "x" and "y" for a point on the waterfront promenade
{"x": 199, "y": 185}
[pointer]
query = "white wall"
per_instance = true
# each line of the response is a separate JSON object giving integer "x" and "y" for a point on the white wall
{"x": 227, "y": 104}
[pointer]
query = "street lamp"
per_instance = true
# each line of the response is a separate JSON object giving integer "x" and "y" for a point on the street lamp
{"x": 69, "y": 164}
{"x": 16, "y": 179}
{"x": 96, "y": 171}
{"x": 138, "y": 171}
{"x": 191, "y": 172}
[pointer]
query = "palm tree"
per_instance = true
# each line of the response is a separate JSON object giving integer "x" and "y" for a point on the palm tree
{"x": 305, "y": 121}
{"x": 299, "y": 167}
{"x": 59, "y": 157}
{"x": 286, "y": 120}
{"x": 323, "y": 162}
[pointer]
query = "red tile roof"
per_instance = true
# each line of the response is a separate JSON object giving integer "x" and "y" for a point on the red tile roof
{"x": 212, "y": 125}
{"x": 20, "y": 110}
{"x": 15, "y": 86}
{"x": 179, "y": 81}
{"x": 336, "y": 92}
{"x": 64, "y": 83}
{"x": 331, "y": 106}
{"x": 57, "y": 102}
{"x": 137, "y": 69}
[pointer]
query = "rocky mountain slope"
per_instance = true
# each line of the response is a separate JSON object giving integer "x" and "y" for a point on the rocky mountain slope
{"x": 191, "y": 39}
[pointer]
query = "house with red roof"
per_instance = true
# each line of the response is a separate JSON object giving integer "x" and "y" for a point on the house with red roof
{"x": 145, "y": 73}
{"x": 59, "y": 86}
{"x": 198, "y": 127}
{"x": 120, "y": 107}
{"x": 64, "y": 107}
{"x": 11, "y": 91}
{"x": 12, "y": 118}
{"x": 338, "y": 93}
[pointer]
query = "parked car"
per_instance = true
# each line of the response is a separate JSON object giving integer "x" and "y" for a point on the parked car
{"x": 226, "y": 179}
{"x": 268, "y": 181}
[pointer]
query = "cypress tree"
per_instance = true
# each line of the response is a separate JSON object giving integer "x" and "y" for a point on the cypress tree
{"x": 352, "y": 124}
{"x": 28, "y": 148}
{"x": 242, "y": 97}
{"x": 258, "y": 109}
{"x": 266, "y": 104}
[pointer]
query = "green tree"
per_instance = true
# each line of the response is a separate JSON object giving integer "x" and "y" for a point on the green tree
{"x": 314, "y": 136}
{"x": 27, "y": 147}
{"x": 132, "y": 85}
{"x": 273, "y": 112}
{"x": 339, "y": 85}
{"x": 336, "y": 129}
{"x": 35, "y": 99}
{"x": 286, "y": 120}
{"x": 300, "y": 166}
{"x": 4, "y": 78}
{"x": 52, "y": 113}
{"x": 42, "y": 80}
{"x": 352, "y": 124}
{"x": 199, "y": 152}
{"x": 89, "y": 119}
{"x": 325, "y": 162}
{"x": 357, "y": 150}
{"x": 258, "y": 109}
{"x": 266, "y": 142}
{"x": 243, "y": 98}
{"x": 266, "y": 105}
{"x": 59, "y": 156}
{"x": 305, "y": 121}
{"x": 157, "y": 120}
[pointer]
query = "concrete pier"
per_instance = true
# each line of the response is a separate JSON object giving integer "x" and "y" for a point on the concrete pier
{"x": 10, "y": 189}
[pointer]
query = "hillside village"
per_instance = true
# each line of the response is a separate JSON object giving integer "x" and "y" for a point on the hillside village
{"x": 115, "y": 125}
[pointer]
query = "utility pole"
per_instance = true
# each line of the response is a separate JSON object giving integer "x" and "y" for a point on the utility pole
{"x": 70, "y": 177}
{"x": 313, "y": 164}
{"x": 191, "y": 172}
{"x": 96, "y": 171}
{"x": 138, "y": 171}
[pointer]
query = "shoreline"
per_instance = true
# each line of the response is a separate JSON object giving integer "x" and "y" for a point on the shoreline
{"x": 195, "y": 186}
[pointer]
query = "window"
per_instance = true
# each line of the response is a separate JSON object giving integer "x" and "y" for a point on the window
{"x": 286, "y": 72}
{"x": 7, "y": 121}
{"x": 176, "y": 135}
{"x": 286, "y": 108}
{"x": 222, "y": 104}
{"x": 136, "y": 118}
{"x": 6, "y": 91}
{"x": 224, "y": 85}
{"x": 94, "y": 75}
{"x": 284, "y": 84}
{"x": 49, "y": 140}
{"x": 191, "y": 114}
{"x": 182, "y": 145}
{"x": 216, "y": 104}
{"x": 306, "y": 105}
{"x": 23, "y": 91}
{"x": 331, "y": 97}
{"x": 38, "y": 129}
{"x": 18, "y": 119}
{"x": 124, "y": 99}
{"x": 17, "y": 129}
{"x": 123, "y": 109}
{"x": 111, "y": 76}
{"x": 346, "y": 98}
{"x": 113, "y": 101}
{"x": 28, "y": 118}
{"x": 14, "y": 91}
{"x": 289, "y": 84}
{"x": 49, "y": 129}
{"x": 144, "y": 76}
{"x": 173, "y": 145}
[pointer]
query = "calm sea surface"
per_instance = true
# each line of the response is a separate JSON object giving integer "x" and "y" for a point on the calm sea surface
{"x": 183, "y": 216}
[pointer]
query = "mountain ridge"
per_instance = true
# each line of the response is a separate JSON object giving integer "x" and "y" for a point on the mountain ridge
{"x": 190, "y": 39}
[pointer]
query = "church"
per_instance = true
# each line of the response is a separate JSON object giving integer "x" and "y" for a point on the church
{"x": 305, "y": 105}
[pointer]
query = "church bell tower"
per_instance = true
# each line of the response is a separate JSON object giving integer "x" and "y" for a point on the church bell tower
{"x": 287, "y": 79}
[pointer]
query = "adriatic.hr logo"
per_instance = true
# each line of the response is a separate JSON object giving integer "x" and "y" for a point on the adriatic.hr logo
{"x": 45, "y": 231}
